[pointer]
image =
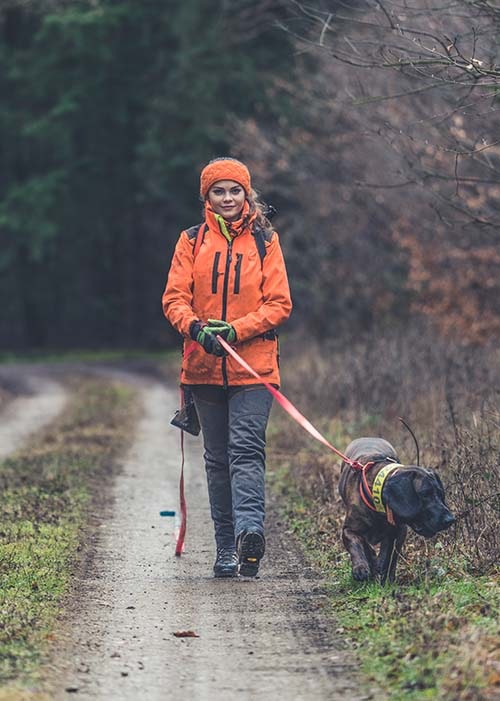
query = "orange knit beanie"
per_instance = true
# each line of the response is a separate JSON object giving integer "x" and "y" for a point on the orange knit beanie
{"x": 224, "y": 169}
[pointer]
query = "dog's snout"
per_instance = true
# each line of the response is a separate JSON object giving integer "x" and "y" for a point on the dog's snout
{"x": 448, "y": 520}
{"x": 441, "y": 520}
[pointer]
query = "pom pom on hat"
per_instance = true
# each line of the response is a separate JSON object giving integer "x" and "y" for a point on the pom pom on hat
{"x": 224, "y": 169}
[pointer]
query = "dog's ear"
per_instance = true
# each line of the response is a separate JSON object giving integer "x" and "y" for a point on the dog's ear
{"x": 437, "y": 478}
{"x": 400, "y": 495}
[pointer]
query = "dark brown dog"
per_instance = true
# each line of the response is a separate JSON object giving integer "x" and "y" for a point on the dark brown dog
{"x": 415, "y": 496}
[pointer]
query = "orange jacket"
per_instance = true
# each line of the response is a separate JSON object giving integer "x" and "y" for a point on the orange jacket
{"x": 230, "y": 282}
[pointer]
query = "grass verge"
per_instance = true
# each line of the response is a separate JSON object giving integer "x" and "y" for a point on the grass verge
{"x": 47, "y": 489}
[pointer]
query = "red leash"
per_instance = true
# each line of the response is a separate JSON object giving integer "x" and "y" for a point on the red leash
{"x": 364, "y": 488}
{"x": 180, "y": 536}
{"x": 289, "y": 407}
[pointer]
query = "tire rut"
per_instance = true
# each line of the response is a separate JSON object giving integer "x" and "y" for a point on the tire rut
{"x": 40, "y": 399}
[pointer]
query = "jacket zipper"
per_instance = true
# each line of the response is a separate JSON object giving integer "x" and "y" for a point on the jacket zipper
{"x": 237, "y": 273}
{"x": 224, "y": 304}
{"x": 215, "y": 272}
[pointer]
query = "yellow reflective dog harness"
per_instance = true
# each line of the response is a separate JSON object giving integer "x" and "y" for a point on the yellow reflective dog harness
{"x": 378, "y": 484}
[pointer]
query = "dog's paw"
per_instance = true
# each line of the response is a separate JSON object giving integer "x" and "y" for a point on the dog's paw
{"x": 361, "y": 573}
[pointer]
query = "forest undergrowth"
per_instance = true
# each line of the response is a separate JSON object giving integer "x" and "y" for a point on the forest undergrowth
{"x": 433, "y": 634}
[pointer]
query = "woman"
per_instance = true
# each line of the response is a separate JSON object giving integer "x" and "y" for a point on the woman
{"x": 228, "y": 278}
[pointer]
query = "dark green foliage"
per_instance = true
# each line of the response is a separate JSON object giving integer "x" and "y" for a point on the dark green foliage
{"x": 108, "y": 108}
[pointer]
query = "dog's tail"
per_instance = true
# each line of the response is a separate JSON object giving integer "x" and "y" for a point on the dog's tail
{"x": 414, "y": 438}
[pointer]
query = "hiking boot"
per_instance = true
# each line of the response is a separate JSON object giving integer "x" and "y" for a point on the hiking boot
{"x": 251, "y": 547}
{"x": 226, "y": 563}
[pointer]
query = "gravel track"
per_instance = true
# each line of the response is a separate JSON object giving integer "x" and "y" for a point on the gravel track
{"x": 264, "y": 638}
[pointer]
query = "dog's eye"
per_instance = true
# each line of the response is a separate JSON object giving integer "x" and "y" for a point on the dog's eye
{"x": 426, "y": 492}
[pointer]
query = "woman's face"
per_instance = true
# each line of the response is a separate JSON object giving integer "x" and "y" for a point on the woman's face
{"x": 227, "y": 197}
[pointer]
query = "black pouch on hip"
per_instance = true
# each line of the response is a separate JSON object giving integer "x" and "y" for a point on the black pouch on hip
{"x": 186, "y": 418}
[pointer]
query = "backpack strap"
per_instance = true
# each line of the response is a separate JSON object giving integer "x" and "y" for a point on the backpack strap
{"x": 193, "y": 233}
{"x": 261, "y": 236}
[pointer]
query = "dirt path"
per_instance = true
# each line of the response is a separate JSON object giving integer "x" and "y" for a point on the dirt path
{"x": 266, "y": 638}
{"x": 40, "y": 399}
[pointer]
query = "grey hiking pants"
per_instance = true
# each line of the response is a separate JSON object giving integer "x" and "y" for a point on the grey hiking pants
{"x": 233, "y": 422}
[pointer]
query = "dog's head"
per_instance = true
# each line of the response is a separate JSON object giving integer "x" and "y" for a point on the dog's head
{"x": 416, "y": 496}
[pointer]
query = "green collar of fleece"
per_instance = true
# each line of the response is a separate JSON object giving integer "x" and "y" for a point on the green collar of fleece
{"x": 223, "y": 227}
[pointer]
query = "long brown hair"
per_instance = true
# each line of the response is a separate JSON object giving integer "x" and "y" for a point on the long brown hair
{"x": 260, "y": 208}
